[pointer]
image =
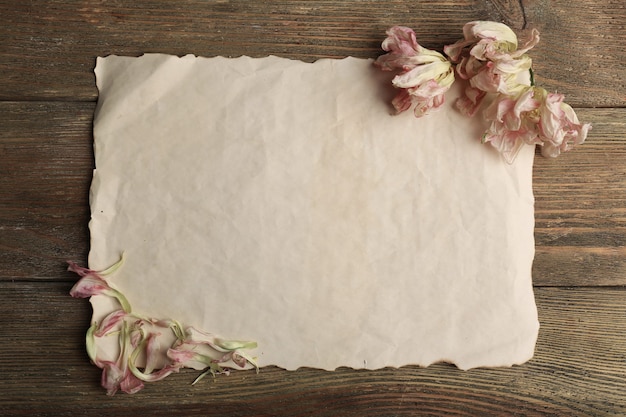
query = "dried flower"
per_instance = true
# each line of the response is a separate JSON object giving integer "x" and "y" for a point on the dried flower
{"x": 141, "y": 338}
{"x": 426, "y": 75}
{"x": 93, "y": 283}
{"x": 489, "y": 41}
{"x": 558, "y": 124}
{"x": 489, "y": 58}
{"x": 199, "y": 349}
{"x": 110, "y": 322}
{"x": 513, "y": 123}
{"x": 117, "y": 375}
{"x": 150, "y": 345}
{"x": 534, "y": 117}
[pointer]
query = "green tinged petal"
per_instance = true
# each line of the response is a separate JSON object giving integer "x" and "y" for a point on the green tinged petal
{"x": 120, "y": 298}
{"x": 91, "y": 342}
{"x": 495, "y": 30}
{"x": 113, "y": 267}
{"x": 235, "y": 344}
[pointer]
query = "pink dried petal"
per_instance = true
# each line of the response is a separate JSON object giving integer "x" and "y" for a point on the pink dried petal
{"x": 528, "y": 45}
{"x": 181, "y": 356}
{"x": 422, "y": 74}
{"x": 513, "y": 123}
{"x": 198, "y": 337}
{"x": 507, "y": 144}
{"x": 153, "y": 349}
{"x": 111, "y": 377}
{"x": 468, "y": 67}
{"x": 487, "y": 79}
{"x": 560, "y": 128}
{"x": 548, "y": 150}
{"x": 455, "y": 50}
{"x": 130, "y": 384}
{"x": 74, "y": 267}
{"x": 491, "y": 33}
{"x": 402, "y": 47}
{"x": 109, "y": 322}
{"x": 471, "y": 101}
{"x": 426, "y": 75}
{"x": 525, "y": 103}
{"x": 184, "y": 356}
{"x": 510, "y": 65}
{"x": 239, "y": 360}
{"x": 424, "y": 106}
{"x": 402, "y": 40}
{"x": 136, "y": 336}
{"x": 552, "y": 119}
{"x": 90, "y": 284}
{"x": 502, "y": 76}
{"x": 116, "y": 378}
{"x": 402, "y": 101}
{"x": 488, "y": 40}
{"x": 511, "y": 112}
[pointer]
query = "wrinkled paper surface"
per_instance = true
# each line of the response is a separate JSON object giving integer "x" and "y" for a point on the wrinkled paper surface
{"x": 281, "y": 202}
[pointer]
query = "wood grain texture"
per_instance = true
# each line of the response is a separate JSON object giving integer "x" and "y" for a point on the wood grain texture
{"x": 46, "y": 159}
{"x": 581, "y": 53}
{"x": 580, "y": 207}
{"x": 47, "y": 98}
{"x": 49, "y": 47}
{"x": 578, "y": 369}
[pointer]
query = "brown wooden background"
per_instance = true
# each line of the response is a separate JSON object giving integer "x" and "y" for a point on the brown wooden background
{"x": 47, "y": 99}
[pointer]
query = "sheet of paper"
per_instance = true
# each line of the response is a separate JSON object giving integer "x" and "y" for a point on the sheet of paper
{"x": 281, "y": 202}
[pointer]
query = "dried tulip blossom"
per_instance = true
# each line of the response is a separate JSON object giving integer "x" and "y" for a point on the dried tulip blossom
{"x": 489, "y": 58}
{"x": 425, "y": 75}
{"x": 149, "y": 341}
{"x": 513, "y": 123}
{"x": 489, "y": 41}
{"x": 534, "y": 117}
{"x": 495, "y": 66}
{"x": 559, "y": 126}
{"x": 93, "y": 283}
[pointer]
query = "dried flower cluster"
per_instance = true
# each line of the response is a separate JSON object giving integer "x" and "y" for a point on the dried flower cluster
{"x": 149, "y": 341}
{"x": 497, "y": 71}
{"x": 426, "y": 75}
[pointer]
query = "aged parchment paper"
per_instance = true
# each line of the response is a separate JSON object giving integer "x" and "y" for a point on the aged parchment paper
{"x": 280, "y": 201}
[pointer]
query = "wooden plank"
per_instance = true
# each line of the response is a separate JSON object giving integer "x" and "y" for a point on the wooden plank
{"x": 47, "y": 160}
{"x": 578, "y": 369}
{"x": 49, "y": 47}
{"x": 580, "y": 40}
{"x": 47, "y": 52}
{"x": 580, "y": 208}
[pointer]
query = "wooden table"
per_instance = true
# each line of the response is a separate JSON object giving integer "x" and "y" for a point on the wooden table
{"x": 47, "y": 99}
